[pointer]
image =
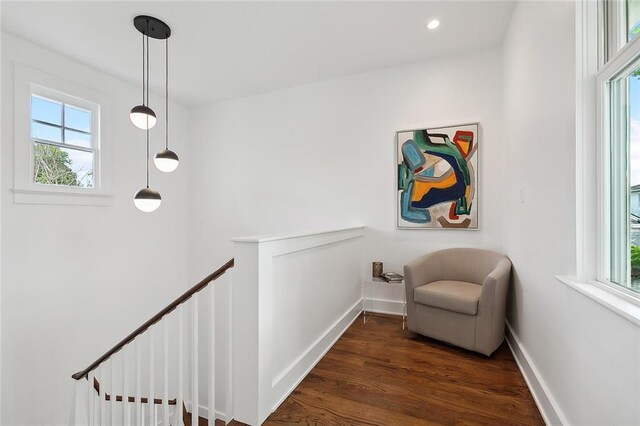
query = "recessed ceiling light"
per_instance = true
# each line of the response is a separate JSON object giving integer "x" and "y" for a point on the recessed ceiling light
{"x": 433, "y": 24}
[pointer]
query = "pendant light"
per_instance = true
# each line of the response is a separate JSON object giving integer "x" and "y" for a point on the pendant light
{"x": 166, "y": 160}
{"x": 147, "y": 199}
{"x": 141, "y": 115}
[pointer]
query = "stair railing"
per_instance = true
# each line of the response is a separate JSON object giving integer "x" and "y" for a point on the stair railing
{"x": 113, "y": 391}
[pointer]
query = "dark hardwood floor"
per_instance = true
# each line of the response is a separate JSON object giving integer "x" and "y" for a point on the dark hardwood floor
{"x": 379, "y": 374}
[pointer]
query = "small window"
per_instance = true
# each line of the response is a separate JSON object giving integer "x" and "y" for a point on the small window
{"x": 64, "y": 151}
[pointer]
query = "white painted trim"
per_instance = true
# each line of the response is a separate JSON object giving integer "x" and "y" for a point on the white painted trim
{"x": 620, "y": 60}
{"x": 254, "y": 395}
{"x": 547, "y": 405}
{"x": 25, "y": 190}
{"x": 32, "y": 196}
{"x": 264, "y": 239}
{"x": 1, "y": 204}
{"x": 382, "y": 306}
{"x": 203, "y": 411}
{"x": 588, "y": 207}
{"x": 229, "y": 373}
{"x": 620, "y": 303}
{"x": 288, "y": 380}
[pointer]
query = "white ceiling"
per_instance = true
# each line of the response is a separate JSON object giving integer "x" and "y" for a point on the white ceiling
{"x": 222, "y": 50}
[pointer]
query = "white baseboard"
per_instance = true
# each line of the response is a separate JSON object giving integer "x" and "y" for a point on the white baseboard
{"x": 381, "y": 306}
{"x": 547, "y": 405}
{"x": 203, "y": 411}
{"x": 287, "y": 381}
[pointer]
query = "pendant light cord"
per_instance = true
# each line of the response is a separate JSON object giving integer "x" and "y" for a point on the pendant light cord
{"x": 147, "y": 70}
{"x": 143, "y": 67}
{"x": 147, "y": 158}
{"x": 147, "y": 130}
{"x": 166, "y": 93}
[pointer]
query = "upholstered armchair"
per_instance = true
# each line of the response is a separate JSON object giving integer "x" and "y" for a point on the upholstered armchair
{"x": 459, "y": 296}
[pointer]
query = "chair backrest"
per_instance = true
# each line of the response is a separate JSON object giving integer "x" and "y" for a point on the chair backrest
{"x": 463, "y": 264}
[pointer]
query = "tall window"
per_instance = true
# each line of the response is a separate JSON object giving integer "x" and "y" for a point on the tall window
{"x": 619, "y": 81}
{"x": 63, "y": 143}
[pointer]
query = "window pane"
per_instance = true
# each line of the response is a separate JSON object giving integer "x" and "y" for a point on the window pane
{"x": 46, "y": 110}
{"x": 45, "y": 132}
{"x": 633, "y": 82}
{"x": 77, "y": 118}
{"x": 76, "y": 138}
{"x": 633, "y": 19}
{"x": 62, "y": 166}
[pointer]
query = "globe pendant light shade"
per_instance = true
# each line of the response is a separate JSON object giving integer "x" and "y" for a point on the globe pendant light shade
{"x": 143, "y": 117}
{"x": 166, "y": 161}
{"x": 147, "y": 200}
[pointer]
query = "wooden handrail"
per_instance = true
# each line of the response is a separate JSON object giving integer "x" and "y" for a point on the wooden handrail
{"x": 157, "y": 317}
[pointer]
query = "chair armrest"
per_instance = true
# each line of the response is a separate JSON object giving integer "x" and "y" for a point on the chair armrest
{"x": 416, "y": 273}
{"x": 496, "y": 283}
{"x": 492, "y": 308}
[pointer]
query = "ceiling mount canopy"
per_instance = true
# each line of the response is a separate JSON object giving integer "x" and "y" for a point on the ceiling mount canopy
{"x": 152, "y": 27}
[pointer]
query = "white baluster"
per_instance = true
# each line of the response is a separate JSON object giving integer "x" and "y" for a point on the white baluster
{"x": 92, "y": 400}
{"x": 152, "y": 375}
{"x": 212, "y": 355}
{"x": 138, "y": 395}
{"x": 194, "y": 362}
{"x": 179, "y": 402}
{"x": 81, "y": 409}
{"x": 126, "y": 407}
{"x": 165, "y": 358}
{"x": 113, "y": 391}
{"x": 100, "y": 395}
{"x": 102, "y": 371}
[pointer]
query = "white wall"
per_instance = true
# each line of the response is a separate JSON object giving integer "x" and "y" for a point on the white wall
{"x": 77, "y": 279}
{"x": 587, "y": 356}
{"x": 321, "y": 156}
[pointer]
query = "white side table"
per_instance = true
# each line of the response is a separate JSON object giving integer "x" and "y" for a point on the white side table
{"x": 384, "y": 297}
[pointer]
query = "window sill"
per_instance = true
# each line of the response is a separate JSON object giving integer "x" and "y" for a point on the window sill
{"x": 622, "y": 305}
{"x": 36, "y": 196}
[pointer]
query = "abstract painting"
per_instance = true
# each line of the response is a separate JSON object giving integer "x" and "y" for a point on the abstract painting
{"x": 437, "y": 181}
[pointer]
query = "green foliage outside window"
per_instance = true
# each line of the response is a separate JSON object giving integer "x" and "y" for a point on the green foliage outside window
{"x": 52, "y": 166}
{"x": 635, "y": 31}
{"x": 635, "y": 260}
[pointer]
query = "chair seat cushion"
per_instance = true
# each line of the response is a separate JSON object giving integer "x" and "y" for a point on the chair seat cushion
{"x": 456, "y": 296}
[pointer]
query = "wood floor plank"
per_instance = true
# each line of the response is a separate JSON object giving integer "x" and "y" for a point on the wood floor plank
{"x": 378, "y": 374}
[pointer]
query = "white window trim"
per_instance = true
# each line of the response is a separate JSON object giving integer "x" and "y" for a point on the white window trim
{"x": 591, "y": 154}
{"x": 616, "y": 37}
{"x": 28, "y": 81}
{"x": 94, "y": 108}
{"x": 605, "y": 296}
